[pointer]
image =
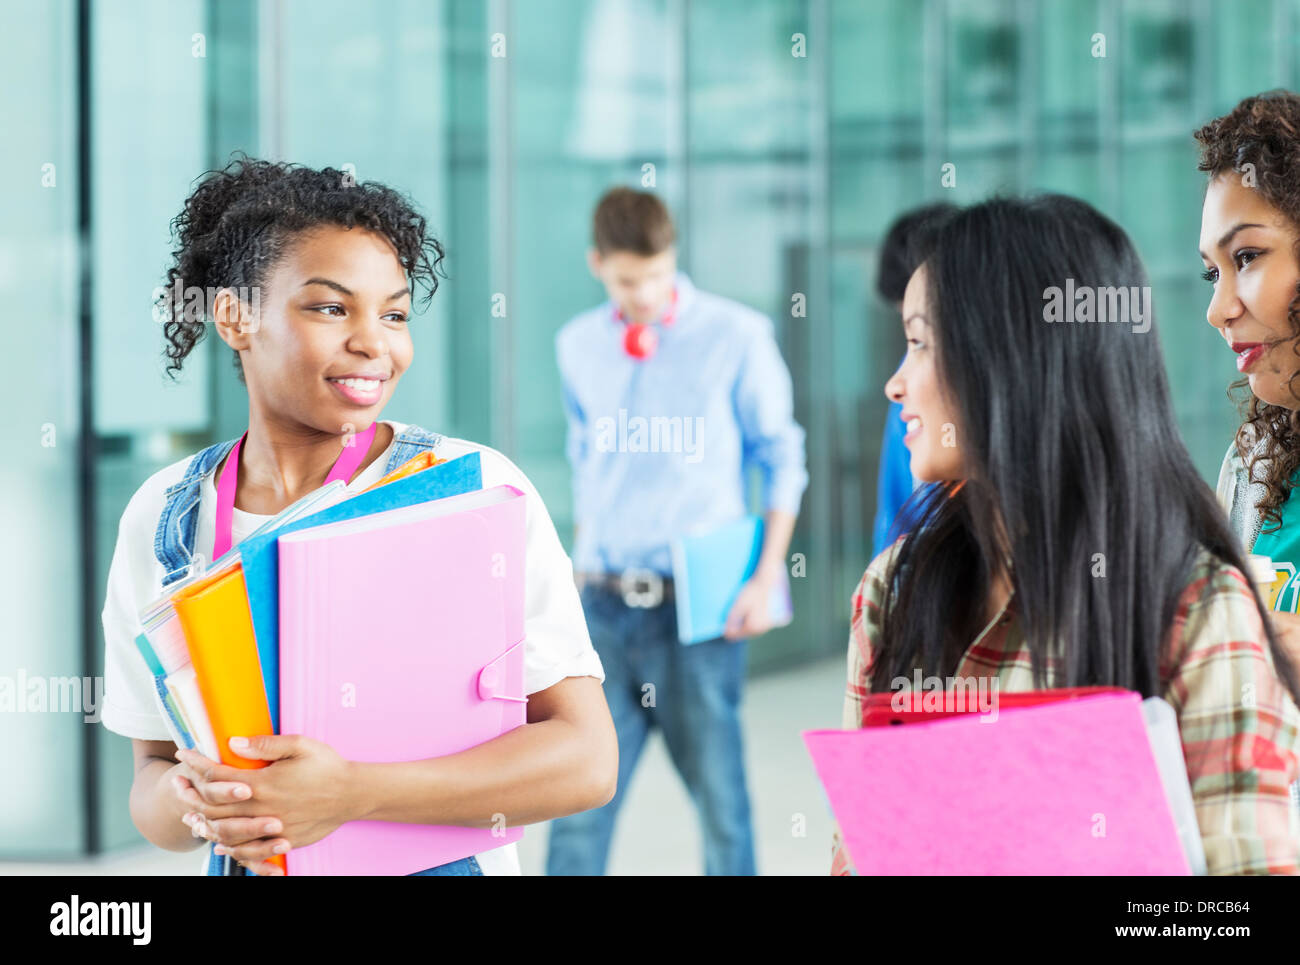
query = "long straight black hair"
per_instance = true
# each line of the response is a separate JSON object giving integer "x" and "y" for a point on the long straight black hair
{"x": 1068, "y": 437}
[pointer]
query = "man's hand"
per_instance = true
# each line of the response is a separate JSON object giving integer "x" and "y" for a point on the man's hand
{"x": 749, "y": 614}
{"x": 305, "y": 794}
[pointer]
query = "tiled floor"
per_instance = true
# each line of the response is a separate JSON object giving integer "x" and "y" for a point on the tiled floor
{"x": 657, "y": 832}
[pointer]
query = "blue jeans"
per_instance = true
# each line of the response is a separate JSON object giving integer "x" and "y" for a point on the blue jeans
{"x": 695, "y": 701}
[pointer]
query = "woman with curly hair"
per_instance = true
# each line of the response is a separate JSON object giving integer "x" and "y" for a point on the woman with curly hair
{"x": 1250, "y": 245}
{"x": 311, "y": 276}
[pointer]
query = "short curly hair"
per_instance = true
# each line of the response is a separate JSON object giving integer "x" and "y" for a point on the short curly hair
{"x": 1261, "y": 137}
{"x": 240, "y": 220}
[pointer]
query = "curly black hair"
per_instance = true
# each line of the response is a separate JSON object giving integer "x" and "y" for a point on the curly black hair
{"x": 1264, "y": 131}
{"x": 239, "y": 221}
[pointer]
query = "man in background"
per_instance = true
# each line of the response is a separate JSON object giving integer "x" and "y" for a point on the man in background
{"x": 659, "y": 349}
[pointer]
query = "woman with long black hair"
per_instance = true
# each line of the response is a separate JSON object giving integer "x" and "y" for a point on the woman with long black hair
{"x": 1074, "y": 543}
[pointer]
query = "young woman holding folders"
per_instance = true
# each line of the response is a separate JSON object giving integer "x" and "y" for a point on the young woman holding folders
{"x": 333, "y": 263}
{"x": 1250, "y": 245}
{"x": 1057, "y": 442}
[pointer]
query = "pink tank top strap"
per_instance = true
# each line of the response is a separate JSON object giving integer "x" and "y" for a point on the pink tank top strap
{"x": 228, "y": 482}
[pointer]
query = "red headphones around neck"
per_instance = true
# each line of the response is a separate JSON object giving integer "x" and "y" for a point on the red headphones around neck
{"x": 640, "y": 338}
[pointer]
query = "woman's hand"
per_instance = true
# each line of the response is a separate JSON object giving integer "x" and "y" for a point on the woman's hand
{"x": 305, "y": 793}
{"x": 196, "y": 792}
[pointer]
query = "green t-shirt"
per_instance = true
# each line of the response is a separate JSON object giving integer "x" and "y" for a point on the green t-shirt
{"x": 1282, "y": 546}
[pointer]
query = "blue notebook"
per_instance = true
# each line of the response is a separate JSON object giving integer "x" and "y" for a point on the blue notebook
{"x": 709, "y": 570}
{"x": 260, "y": 555}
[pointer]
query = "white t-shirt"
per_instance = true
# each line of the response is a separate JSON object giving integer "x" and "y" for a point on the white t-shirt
{"x": 556, "y": 641}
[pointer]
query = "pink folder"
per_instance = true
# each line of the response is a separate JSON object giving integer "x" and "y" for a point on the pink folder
{"x": 401, "y": 638}
{"x": 1069, "y": 788}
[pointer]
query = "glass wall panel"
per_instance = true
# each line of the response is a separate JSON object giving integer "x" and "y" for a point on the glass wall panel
{"x": 41, "y": 588}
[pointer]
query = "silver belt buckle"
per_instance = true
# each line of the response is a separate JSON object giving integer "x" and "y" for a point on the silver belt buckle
{"x": 641, "y": 588}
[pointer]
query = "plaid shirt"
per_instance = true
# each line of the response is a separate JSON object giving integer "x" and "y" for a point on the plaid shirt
{"x": 1240, "y": 728}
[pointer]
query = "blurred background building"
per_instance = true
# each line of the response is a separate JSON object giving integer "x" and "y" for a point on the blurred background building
{"x": 784, "y": 134}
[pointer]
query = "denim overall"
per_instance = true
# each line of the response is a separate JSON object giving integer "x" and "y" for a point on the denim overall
{"x": 174, "y": 547}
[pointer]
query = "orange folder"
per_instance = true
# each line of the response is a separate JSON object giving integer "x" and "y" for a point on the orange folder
{"x": 417, "y": 463}
{"x": 214, "y": 615}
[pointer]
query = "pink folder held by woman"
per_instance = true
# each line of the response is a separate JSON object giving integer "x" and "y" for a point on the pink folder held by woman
{"x": 401, "y": 639}
{"x": 1068, "y": 788}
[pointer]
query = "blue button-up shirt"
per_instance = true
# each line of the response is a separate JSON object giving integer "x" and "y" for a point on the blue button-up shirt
{"x": 659, "y": 447}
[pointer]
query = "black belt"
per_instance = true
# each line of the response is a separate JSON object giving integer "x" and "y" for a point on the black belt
{"x": 638, "y": 588}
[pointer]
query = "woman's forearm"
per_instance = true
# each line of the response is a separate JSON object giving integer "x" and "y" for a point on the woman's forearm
{"x": 533, "y": 773}
{"x": 157, "y": 811}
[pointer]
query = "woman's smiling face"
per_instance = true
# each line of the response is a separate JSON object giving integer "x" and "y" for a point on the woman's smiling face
{"x": 1249, "y": 251}
{"x": 930, "y": 415}
{"x": 334, "y": 308}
